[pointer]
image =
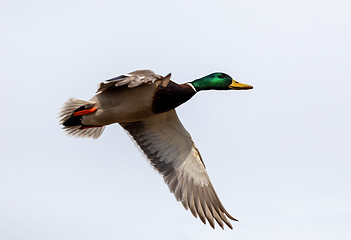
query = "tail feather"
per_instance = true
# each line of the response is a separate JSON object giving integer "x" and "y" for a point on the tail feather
{"x": 73, "y": 125}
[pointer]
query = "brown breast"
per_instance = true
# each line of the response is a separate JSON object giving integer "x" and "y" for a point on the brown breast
{"x": 171, "y": 96}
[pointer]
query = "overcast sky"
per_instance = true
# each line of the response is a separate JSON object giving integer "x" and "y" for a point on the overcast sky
{"x": 278, "y": 155}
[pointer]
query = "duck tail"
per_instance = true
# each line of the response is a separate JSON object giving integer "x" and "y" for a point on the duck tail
{"x": 71, "y": 118}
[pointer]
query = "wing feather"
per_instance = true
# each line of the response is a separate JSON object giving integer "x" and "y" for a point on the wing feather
{"x": 133, "y": 79}
{"x": 172, "y": 153}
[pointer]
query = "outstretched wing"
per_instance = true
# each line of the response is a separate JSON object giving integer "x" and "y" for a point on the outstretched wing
{"x": 134, "y": 79}
{"x": 172, "y": 152}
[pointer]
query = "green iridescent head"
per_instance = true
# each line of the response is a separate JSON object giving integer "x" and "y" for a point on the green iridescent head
{"x": 218, "y": 81}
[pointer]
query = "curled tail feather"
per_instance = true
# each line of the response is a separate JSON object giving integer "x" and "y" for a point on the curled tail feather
{"x": 72, "y": 123}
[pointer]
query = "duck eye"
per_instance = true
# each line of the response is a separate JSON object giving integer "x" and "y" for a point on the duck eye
{"x": 221, "y": 76}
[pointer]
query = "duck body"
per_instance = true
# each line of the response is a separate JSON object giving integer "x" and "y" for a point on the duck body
{"x": 121, "y": 104}
{"x": 124, "y": 104}
{"x": 144, "y": 103}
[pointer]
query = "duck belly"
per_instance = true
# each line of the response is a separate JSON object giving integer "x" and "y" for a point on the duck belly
{"x": 121, "y": 104}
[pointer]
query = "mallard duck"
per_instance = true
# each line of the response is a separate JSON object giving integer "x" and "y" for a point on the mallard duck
{"x": 144, "y": 103}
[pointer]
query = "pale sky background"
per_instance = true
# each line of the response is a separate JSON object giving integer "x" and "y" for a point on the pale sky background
{"x": 278, "y": 155}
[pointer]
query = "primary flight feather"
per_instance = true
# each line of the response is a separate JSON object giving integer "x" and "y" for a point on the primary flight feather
{"x": 144, "y": 103}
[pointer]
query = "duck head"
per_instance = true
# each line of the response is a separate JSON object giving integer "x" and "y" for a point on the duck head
{"x": 218, "y": 81}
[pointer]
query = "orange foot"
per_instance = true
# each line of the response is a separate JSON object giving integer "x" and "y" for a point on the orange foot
{"x": 85, "y": 111}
